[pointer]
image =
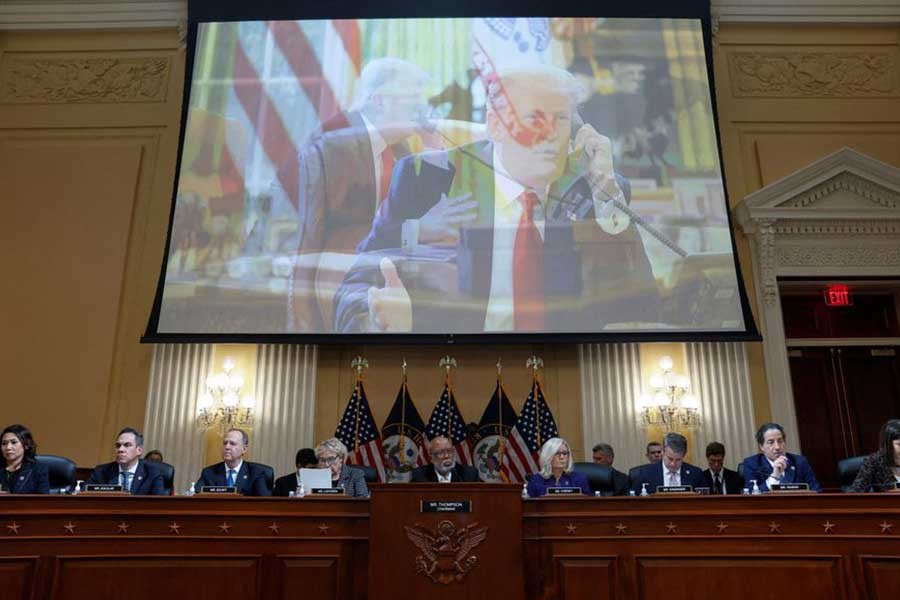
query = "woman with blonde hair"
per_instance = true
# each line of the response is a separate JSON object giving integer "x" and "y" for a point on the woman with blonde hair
{"x": 332, "y": 454}
{"x": 556, "y": 470}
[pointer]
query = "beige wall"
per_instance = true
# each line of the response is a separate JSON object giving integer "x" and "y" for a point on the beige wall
{"x": 88, "y": 136}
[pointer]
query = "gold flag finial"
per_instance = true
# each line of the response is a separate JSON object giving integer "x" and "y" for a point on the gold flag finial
{"x": 447, "y": 363}
{"x": 499, "y": 366}
{"x": 403, "y": 366}
{"x": 535, "y": 363}
{"x": 360, "y": 364}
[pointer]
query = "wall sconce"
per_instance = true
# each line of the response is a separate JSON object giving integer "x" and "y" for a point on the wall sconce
{"x": 670, "y": 405}
{"x": 222, "y": 404}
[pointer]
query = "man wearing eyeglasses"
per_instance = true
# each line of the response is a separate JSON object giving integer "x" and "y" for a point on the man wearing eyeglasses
{"x": 443, "y": 467}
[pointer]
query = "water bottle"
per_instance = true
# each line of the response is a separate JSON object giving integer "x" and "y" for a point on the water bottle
{"x": 644, "y": 490}
{"x": 597, "y": 493}
{"x": 631, "y": 493}
{"x": 77, "y": 489}
{"x": 301, "y": 491}
{"x": 745, "y": 491}
{"x": 291, "y": 494}
{"x": 755, "y": 489}
{"x": 190, "y": 491}
{"x": 524, "y": 491}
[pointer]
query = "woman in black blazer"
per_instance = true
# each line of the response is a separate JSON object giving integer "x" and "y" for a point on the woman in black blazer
{"x": 23, "y": 474}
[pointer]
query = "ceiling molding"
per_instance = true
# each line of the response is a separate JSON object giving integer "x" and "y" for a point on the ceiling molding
{"x": 807, "y": 11}
{"x": 72, "y": 14}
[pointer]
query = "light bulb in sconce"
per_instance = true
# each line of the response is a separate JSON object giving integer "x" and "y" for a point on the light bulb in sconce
{"x": 206, "y": 402}
{"x": 228, "y": 364}
{"x": 235, "y": 381}
{"x": 230, "y": 400}
{"x": 681, "y": 381}
{"x": 665, "y": 363}
{"x": 657, "y": 381}
{"x": 690, "y": 401}
{"x": 660, "y": 399}
{"x": 645, "y": 401}
{"x": 248, "y": 401}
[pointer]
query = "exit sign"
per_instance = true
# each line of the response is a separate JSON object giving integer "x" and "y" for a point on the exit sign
{"x": 837, "y": 295}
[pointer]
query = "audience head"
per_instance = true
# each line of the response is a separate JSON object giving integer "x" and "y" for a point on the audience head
{"x": 234, "y": 446}
{"x": 306, "y": 458}
{"x": 890, "y": 442}
{"x": 17, "y": 445}
{"x": 391, "y": 93}
{"x": 674, "y": 449}
{"x": 154, "y": 456}
{"x": 771, "y": 439}
{"x": 555, "y": 458}
{"x": 331, "y": 454}
{"x": 654, "y": 452}
{"x": 603, "y": 454}
{"x": 129, "y": 447}
{"x": 442, "y": 453}
{"x": 715, "y": 456}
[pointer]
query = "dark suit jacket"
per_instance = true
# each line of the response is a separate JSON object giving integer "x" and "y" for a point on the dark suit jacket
{"x": 732, "y": 480}
{"x": 621, "y": 483}
{"x": 31, "y": 478}
{"x": 250, "y": 480}
{"x": 459, "y": 473}
{"x": 147, "y": 480}
{"x": 757, "y": 468}
{"x": 353, "y": 481}
{"x": 597, "y": 279}
{"x": 285, "y": 484}
{"x": 652, "y": 475}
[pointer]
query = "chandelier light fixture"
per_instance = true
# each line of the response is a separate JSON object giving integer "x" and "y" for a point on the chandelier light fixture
{"x": 670, "y": 405}
{"x": 223, "y": 405}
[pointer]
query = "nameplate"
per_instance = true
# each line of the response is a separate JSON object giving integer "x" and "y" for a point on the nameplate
{"x": 218, "y": 489}
{"x": 674, "y": 489}
{"x": 789, "y": 487}
{"x": 102, "y": 487}
{"x": 327, "y": 491}
{"x": 563, "y": 490}
{"x": 445, "y": 506}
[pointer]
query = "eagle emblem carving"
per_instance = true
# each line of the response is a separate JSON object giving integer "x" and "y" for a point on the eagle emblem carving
{"x": 446, "y": 553}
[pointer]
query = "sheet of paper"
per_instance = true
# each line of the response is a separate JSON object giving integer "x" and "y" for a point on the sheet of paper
{"x": 315, "y": 478}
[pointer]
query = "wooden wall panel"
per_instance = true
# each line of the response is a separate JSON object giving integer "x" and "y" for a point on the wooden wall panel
{"x": 881, "y": 576}
{"x": 318, "y": 577}
{"x": 587, "y": 578}
{"x": 17, "y": 577}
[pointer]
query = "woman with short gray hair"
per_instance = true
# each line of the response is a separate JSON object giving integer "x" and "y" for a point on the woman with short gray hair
{"x": 332, "y": 454}
{"x": 556, "y": 470}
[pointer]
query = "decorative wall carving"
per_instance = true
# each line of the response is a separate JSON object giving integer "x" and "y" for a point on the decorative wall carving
{"x": 848, "y": 182}
{"x": 446, "y": 554}
{"x": 818, "y": 256}
{"x": 803, "y": 74}
{"x": 46, "y": 80}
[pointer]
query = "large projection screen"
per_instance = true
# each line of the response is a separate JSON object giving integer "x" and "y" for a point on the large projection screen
{"x": 428, "y": 177}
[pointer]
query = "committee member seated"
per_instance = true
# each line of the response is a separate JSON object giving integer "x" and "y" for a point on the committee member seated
{"x": 443, "y": 467}
{"x": 603, "y": 454}
{"x": 880, "y": 471}
{"x": 128, "y": 470}
{"x": 720, "y": 480}
{"x": 248, "y": 478}
{"x": 154, "y": 456}
{"x": 671, "y": 470}
{"x": 23, "y": 474}
{"x": 775, "y": 465}
{"x": 556, "y": 470}
{"x": 305, "y": 459}
{"x": 332, "y": 454}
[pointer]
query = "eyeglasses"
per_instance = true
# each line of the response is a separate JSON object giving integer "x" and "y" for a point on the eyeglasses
{"x": 563, "y": 453}
{"x": 329, "y": 460}
{"x": 442, "y": 453}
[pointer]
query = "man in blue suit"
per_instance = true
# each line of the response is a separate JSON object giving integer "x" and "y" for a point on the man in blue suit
{"x": 249, "y": 478}
{"x": 671, "y": 471}
{"x": 128, "y": 470}
{"x": 774, "y": 465}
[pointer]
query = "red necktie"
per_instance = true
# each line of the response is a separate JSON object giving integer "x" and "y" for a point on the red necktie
{"x": 387, "y": 167}
{"x": 528, "y": 269}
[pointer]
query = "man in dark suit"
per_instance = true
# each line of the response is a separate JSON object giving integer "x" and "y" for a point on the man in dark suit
{"x": 128, "y": 470}
{"x": 305, "y": 459}
{"x": 774, "y": 465}
{"x": 247, "y": 477}
{"x": 720, "y": 480}
{"x": 603, "y": 454}
{"x": 535, "y": 244}
{"x": 443, "y": 467}
{"x": 671, "y": 471}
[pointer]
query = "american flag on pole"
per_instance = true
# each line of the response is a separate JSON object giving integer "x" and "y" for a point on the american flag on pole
{"x": 447, "y": 421}
{"x": 534, "y": 426}
{"x": 357, "y": 430}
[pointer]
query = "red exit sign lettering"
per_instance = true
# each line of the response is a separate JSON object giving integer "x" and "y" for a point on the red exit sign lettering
{"x": 837, "y": 295}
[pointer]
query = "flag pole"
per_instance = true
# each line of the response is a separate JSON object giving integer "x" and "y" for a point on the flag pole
{"x": 403, "y": 413}
{"x": 502, "y": 447}
{"x": 447, "y": 363}
{"x": 359, "y": 363}
{"x": 534, "y": 363}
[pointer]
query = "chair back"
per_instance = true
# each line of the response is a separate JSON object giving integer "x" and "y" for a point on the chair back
{"x": 370, "y": 474}
{"x": 168, "y": 476}
{"x": 61, "y": 472}
{"x": 600, "y": 478}
{"x": 268, "y": 475}
{"x": 848, "y": 468}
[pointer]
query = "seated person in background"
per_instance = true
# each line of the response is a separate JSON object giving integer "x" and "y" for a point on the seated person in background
{"x": 154, "y": 456}
{"x": 443, "y": 467}
{"x": 774, "y": 464}
{"x": 556, "y": 470}
{"x": 128, "y": 470}
{"x": 603, "y": 454}
{"x": 305, "y": 459}
{"x": 23, "y": 474}
{"x": 881, "y": 469}
{"x": 671, "y": 470}
{"x": 654, "y": 452}
{"x": 332, "y": 454}
{"x": 720, "y": 480}
{"x": 247, "y": 477}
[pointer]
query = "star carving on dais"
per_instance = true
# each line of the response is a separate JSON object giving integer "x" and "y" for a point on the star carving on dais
{"x": 174, "y": 528}
{"x": 722, "y": 527}
{"x": 621, "y": 528}
{"x": 885, "y": 527}
{"x": 13, "y": 528}
{"x": 274, "y": 528}
{"x": 123, "y": 527}
{"x": 224, "y": 527}
{"x": 571, "y": 528}
{"x": 323, "y": 528}
{"x": 828, "y": 526}
{"x": 774, "y": 527}
{"x": 671, "y": 527}
{"x": 70, "y": 527}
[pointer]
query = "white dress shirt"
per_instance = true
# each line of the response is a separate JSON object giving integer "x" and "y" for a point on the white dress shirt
{"x": 770, "y": 480}
{"x": 721, "y": 480}
{"x": 237, "y": 470}
{"x": 444, "y": 478}
{"x": 669, "y": 477}
{"x": 379, "y": 145}
{"x": 132, "y": 471}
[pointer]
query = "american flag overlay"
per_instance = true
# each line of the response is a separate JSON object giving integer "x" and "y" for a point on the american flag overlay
{"x": 357, "y": 430}
{"x": 534, "y": 426}
{"x": 446, "y": 420}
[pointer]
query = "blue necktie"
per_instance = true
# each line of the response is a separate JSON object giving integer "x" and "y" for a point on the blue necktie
{"x": 126, "y": 481}
{"x": 230, "y": 480}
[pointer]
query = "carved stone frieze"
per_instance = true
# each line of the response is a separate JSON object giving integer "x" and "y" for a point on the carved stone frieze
{"x": 803, "y": 74}
{"x": 821, "y": 256}
{"x": 767, "y": 261}
{"x": 29, "y": 79}
{"x": 446, "y": 553}
{"x": 847, "y": 182}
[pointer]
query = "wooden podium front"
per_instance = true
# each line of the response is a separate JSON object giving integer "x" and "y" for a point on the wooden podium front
{"x": 445, "y": 541}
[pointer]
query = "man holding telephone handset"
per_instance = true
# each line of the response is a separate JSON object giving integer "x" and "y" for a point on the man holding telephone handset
{"x": 533, "y": 226}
